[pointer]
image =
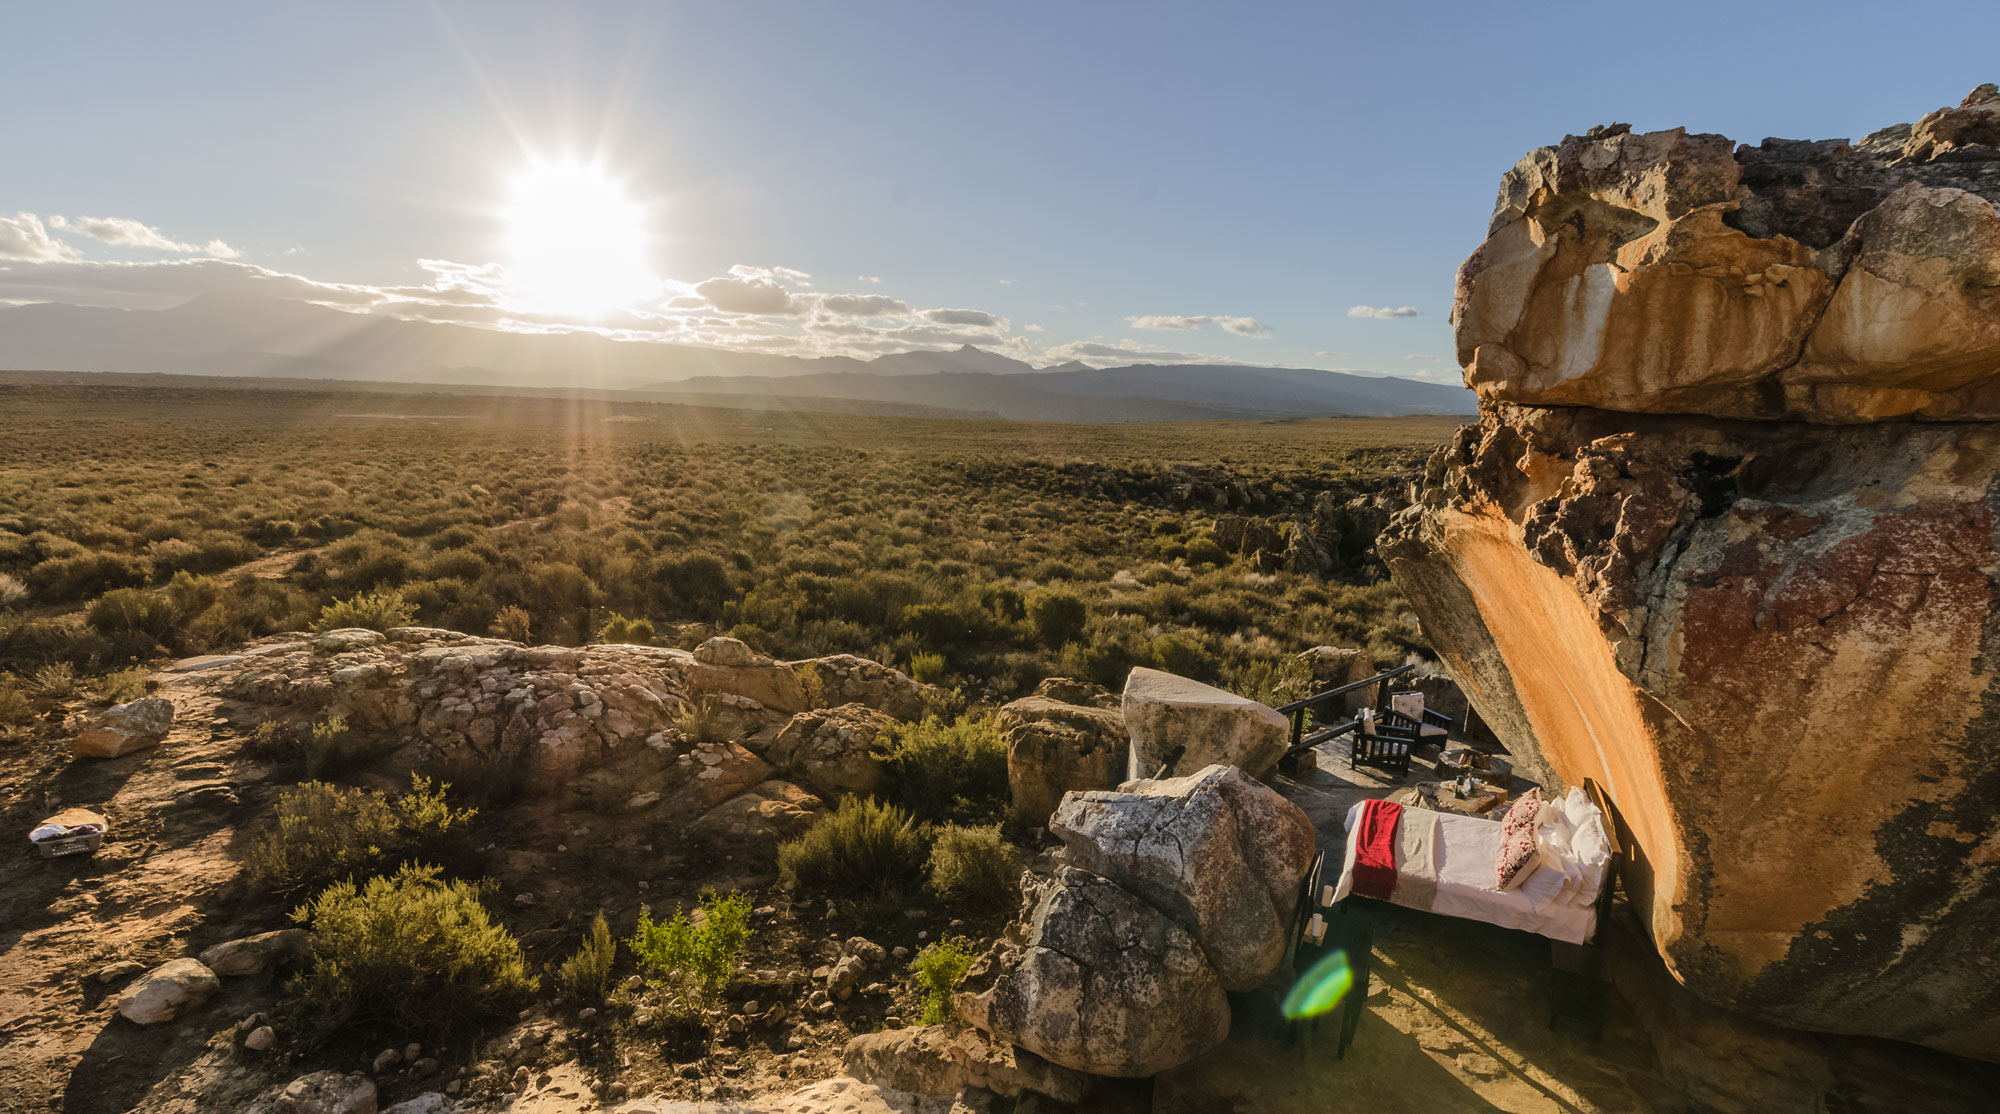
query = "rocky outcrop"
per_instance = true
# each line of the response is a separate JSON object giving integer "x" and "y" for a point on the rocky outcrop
{"x": 947, "y": 1059}
{"x": 847, "y": 679}
{"x": 168, "y": 991}
{"x": 1774, "y": 641}
{"x": 1831, "y": 282}
{"x": 832, "y": 749}
{"x": 1216, "y": 851}
{"x": 560, "y": 709}
{"x": 759, "y": 818}
{"x": 1182, "y": 725}
{"x": 1054, "y": 746}
{"x": 124, "y": 728}
{"x": 727, "y": 667}
{"x": 253, "y": 954}
{"x": 327, "y": 1092}
{"x": 1104, "y": 984}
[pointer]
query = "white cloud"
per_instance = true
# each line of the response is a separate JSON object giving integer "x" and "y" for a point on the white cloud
{"x": 1006, "y": 282}
{"x": 22, "y": 236}
{"x": 1126, "y": 351}
{"x": 863, "y": 305}
{"x": 1331, "y": 354}
{"x": 1032, "y": 328}
{"x": 876, "y": 279}
{"x": 977, "y": 318}
{"x": 1241, "y": 326}
{"x": 752, "y": 290}
{"x": 1419, "y": 357}
{"x": 1385, "y": 311}
{"x": 126, "y": 232}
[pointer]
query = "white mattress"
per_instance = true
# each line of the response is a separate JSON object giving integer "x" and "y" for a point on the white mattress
{"x": 1466, "y": 847}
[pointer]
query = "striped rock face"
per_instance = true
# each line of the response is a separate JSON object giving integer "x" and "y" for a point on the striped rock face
{"x": 1683, "y": 552}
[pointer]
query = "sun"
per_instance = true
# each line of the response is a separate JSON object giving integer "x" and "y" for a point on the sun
{"x": 576, "y": 244}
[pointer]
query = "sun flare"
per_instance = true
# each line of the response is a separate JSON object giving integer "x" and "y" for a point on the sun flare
{"x": 576, "y": 243}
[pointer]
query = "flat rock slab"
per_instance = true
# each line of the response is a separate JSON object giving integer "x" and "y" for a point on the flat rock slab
{"x": 1185, "y": 726}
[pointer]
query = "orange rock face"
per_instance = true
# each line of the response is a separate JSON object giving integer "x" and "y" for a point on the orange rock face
{"x": 1683, "y": 554}
{"x": 1675, "y": 273}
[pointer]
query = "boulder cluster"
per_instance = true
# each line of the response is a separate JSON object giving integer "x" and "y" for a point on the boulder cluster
{"x": 1724, "y": 541}
{"x": 1167, "y": 895}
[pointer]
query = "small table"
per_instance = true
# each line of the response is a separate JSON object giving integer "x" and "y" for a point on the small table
{"x": 1438, "y": 797}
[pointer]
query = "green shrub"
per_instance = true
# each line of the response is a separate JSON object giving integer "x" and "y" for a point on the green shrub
{"x": 619, "y": 629}
{"x": 973, "y": 866}
{"x": 132, "y": 611}
{"x": 1183, "y": 654}
{"x": 813, "y": 683}
{"x": 410, "y": 952}
{"x": 1058, "y": 616}
{"x": 702, "y": 719}
{"x": 514, "y": 624}
{"x": 1205, "y": 551}
{"x": 587, "y": 973}
{"x": 927, "y": 667}
{"x": 17, "y": 711}
{"x": 937, "y": 971}
{"x": 863, "y": 849}
{"x": 380, "y": 609}
{"x": 325, "y": 746}
{"x": 327, "y": 833}
{"x": 693, "y": 959}
{"x": 946, "y": 771}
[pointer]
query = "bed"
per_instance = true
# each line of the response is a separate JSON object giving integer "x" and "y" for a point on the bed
{"x": 1445, "y": 864}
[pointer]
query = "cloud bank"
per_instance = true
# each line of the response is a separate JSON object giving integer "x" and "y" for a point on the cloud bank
{"x": 126, "y": 232}
{"x": 1385, "y": 311}
{"x": 1241, "y": 326}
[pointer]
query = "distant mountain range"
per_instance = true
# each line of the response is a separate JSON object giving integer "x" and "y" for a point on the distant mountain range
{"x": 254, "y": 336}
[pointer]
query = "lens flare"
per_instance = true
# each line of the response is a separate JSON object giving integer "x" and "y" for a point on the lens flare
{"x": 1321, "y": 988}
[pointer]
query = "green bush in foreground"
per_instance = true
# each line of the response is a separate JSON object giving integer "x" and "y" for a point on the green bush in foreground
{"x": 973, "y": 866}
{"x": 862, "y": 849}
{"x": 692, "y": 959}
{"x": 411, "y": 951}
{"x": 946, "y": 771}
{"x": 380, "y": 609}
{"x": 587, "y": 973}
{"x": 937, "y": 970}
{"x": 329, "y": 833}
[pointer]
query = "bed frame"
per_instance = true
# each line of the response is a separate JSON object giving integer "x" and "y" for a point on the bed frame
{"x": 1579, "y": 980}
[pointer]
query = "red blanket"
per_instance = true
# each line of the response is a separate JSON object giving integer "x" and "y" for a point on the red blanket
{"x": 1375, "y": 849}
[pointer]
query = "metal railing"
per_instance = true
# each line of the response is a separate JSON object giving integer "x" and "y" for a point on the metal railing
{"x": 1298, "y": 711}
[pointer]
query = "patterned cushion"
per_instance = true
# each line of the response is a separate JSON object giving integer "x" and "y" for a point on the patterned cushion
{"x": 1520, "y": 854}
{"x": 1521, "y": 815}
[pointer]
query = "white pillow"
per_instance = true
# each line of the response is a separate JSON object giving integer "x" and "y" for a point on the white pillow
{"x": 1589, "y": 846}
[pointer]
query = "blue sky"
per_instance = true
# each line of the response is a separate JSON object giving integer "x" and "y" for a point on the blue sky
{"x": 1077, "y": 168}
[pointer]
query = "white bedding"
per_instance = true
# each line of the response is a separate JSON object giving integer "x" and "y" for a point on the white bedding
{"x": 1466, "y": 847}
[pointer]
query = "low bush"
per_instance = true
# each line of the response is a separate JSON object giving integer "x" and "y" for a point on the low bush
{"x": 379, "y": 609}
{"x": 690, "y": 958}
{"x": 328, "y": 833}
{"x": 946, "y": 770}
{"x": 587, "y": 973}
{"x": 927, "y": 667}
{"x": 412, "y": 952}
{"x": 974, "y": 866}
{"x": 936, "y": 971}
{"x": 1058, "y": 616}
{"x": 324, "y": 746}
{"x": 619, "y": 629}
{"x": 863, "y": 849}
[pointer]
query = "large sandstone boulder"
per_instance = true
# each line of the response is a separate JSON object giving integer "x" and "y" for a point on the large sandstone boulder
{"x": 947, "y": 1059}
{"x": 1775, "y": 643}
{"x": 1185, "y": 725}
{"x": 253, "y": 954}
{"x": 725, "y": 666}
{"x": 1217, "y": 851}
{"x": 124, "y": 728}
{"x": 1105, "y": 984}
{"x": 168, "y": 991}
{"x": 1054, "y": 747}
{"x": 1830, "y": 282}
{"x": 832, "y": 749}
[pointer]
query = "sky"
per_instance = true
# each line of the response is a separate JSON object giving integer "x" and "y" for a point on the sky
{"x": 1267, "y": 183}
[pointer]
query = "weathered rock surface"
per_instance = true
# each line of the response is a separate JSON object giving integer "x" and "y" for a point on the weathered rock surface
{"x": 1104, "y": 984}
{"x": 168, "y": 991}
{"x": 1774, "y": 642}
{"x": 253, "y": 954}
{"x": 831, "y": 748}
{"x": 1831, "y": 283}
{"x": 1218, "y": 852}
{"x": 726, "y": 666}
{"x": 327, "y": 1092}
{"x": 759, "y": 818}
{"x": 1185, "y": 725}
{"x": 847, "y": 679}
{"x": 467, "y": 699}
{"x": 124, "y": 728}
{"x": 839, "y": 1095}
{"x": 1055, "y": 746}
{"x": 947, "y": 1059}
